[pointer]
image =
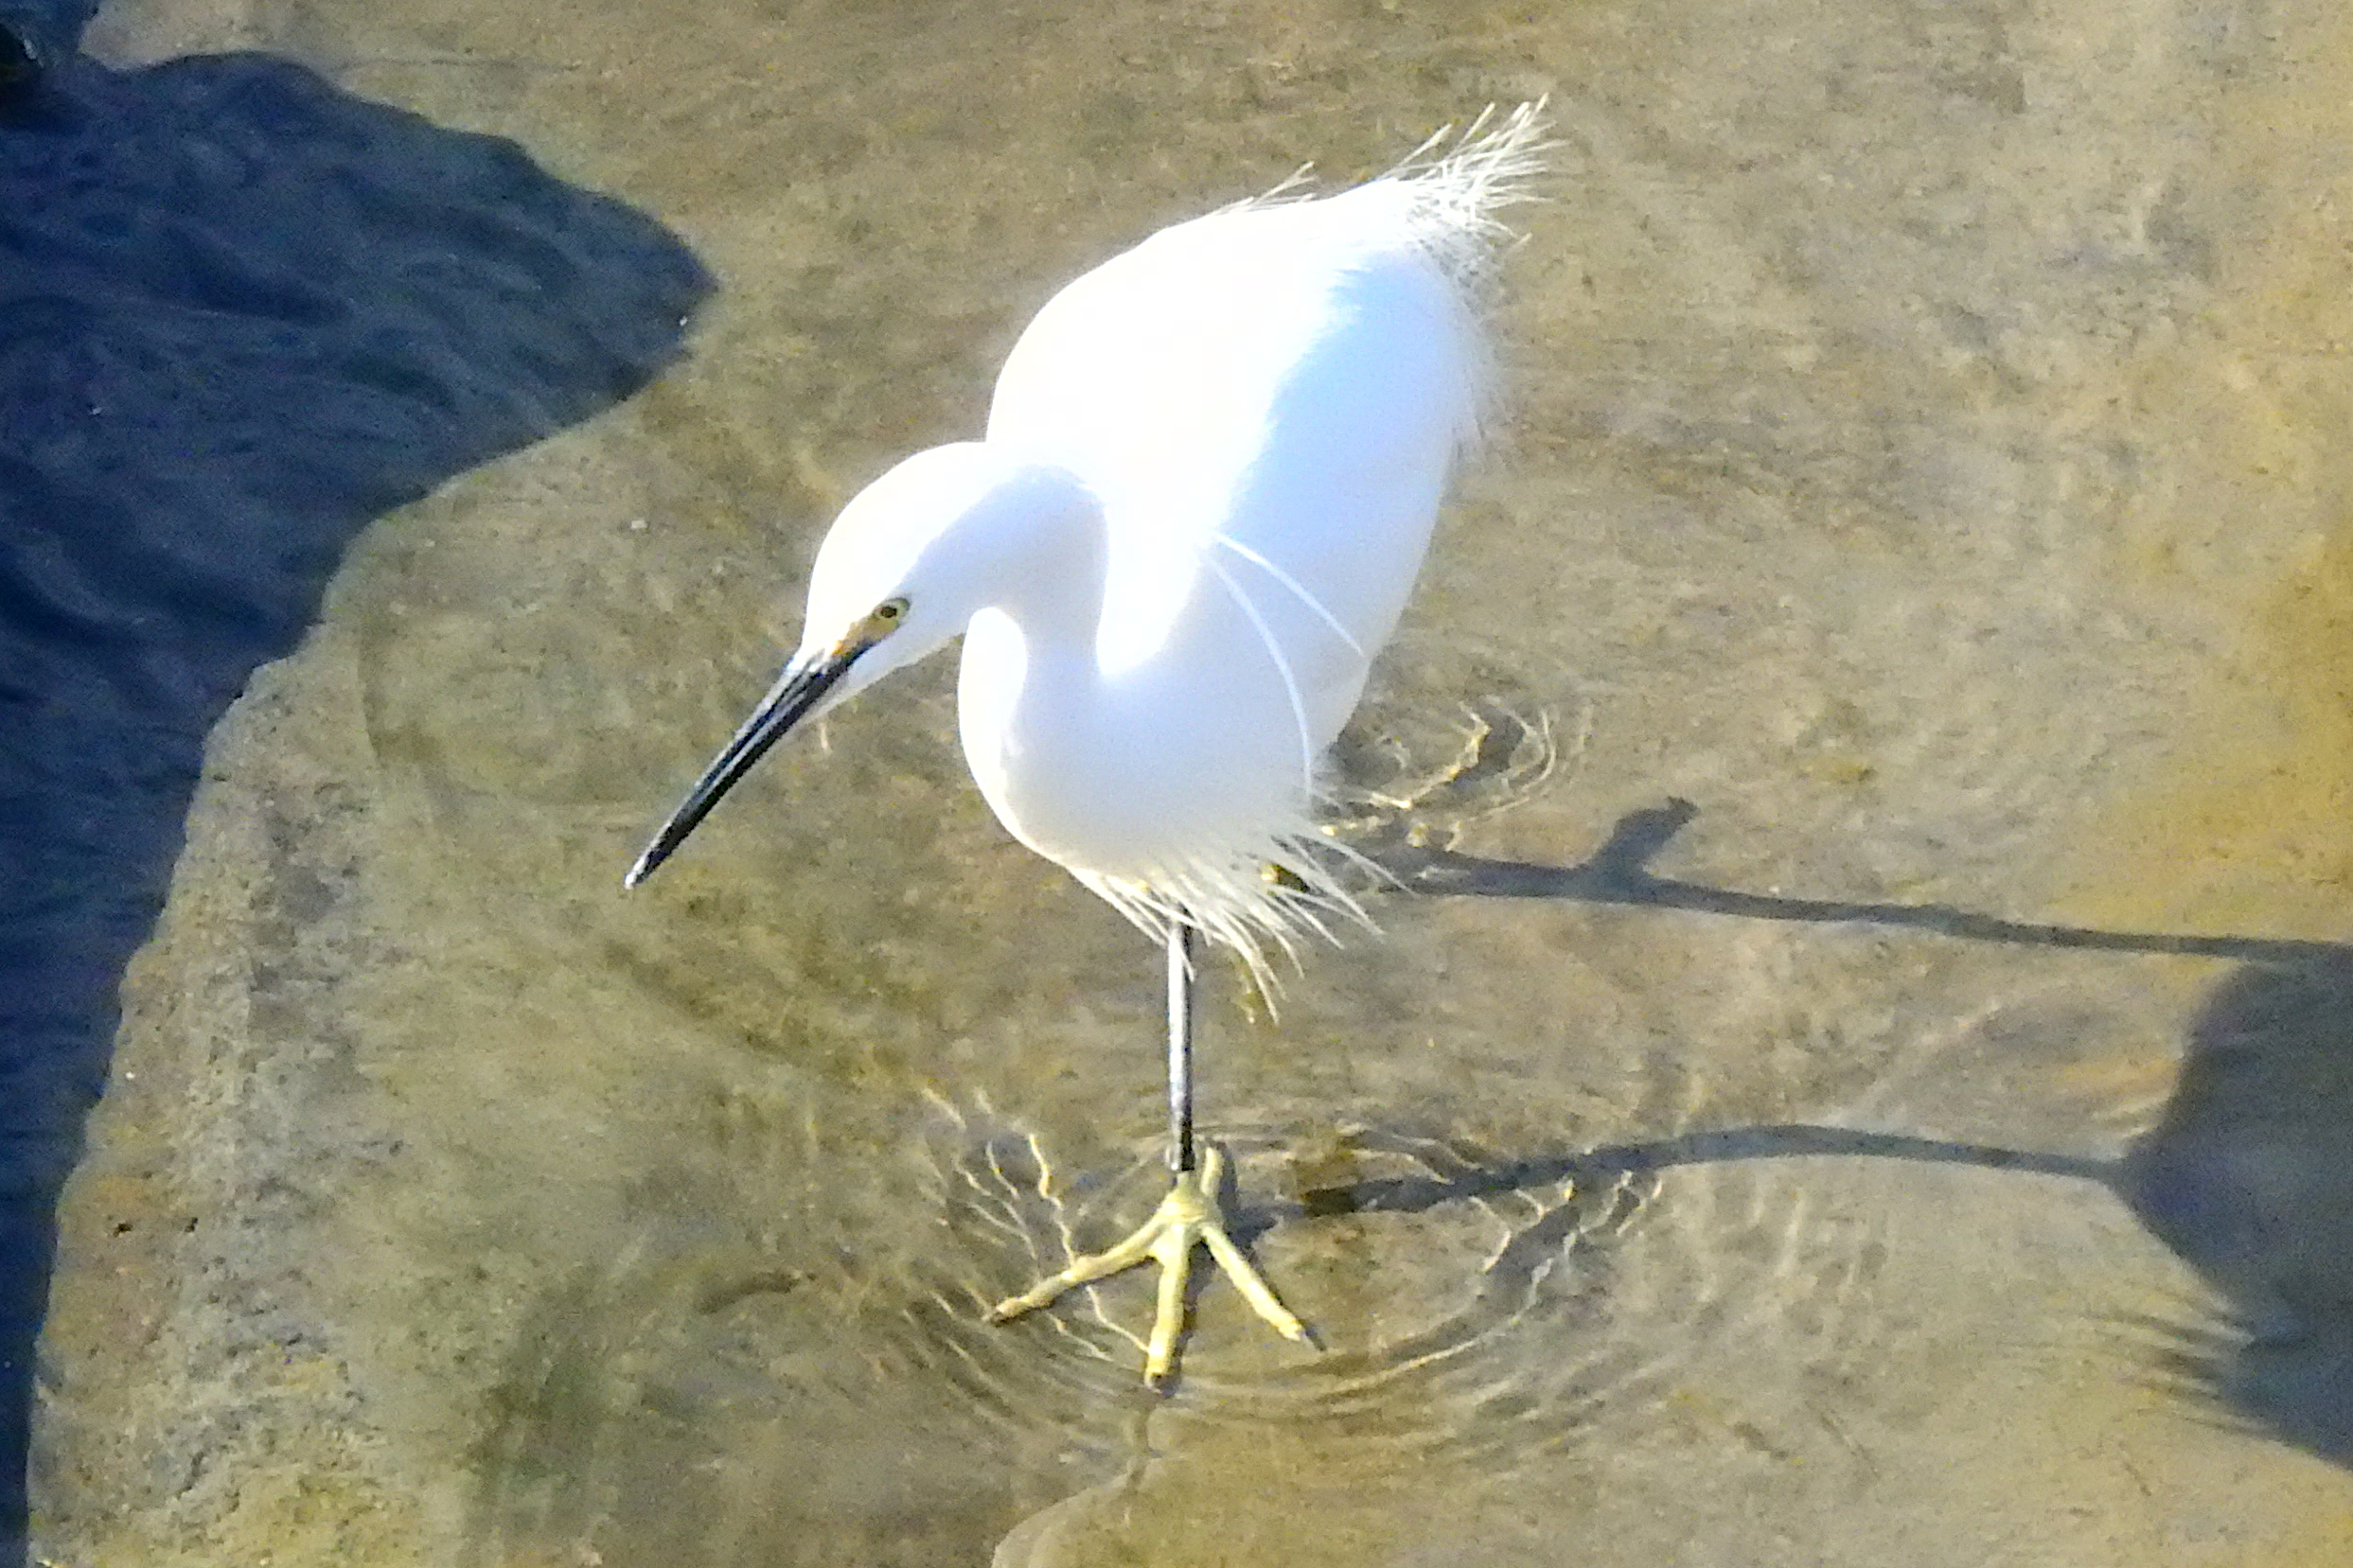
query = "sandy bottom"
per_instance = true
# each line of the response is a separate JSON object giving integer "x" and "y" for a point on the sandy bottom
{"x": 1922, "y": 1146}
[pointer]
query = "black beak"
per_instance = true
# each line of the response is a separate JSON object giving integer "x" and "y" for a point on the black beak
{"x": 798, "y": 689}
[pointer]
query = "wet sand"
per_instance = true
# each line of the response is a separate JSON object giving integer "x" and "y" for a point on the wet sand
{"x": 1921, "y": 458}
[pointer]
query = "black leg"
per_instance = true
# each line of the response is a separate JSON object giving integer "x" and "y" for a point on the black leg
{"x": 1181, "y": 945}
{"x": 1187, "y": 1218}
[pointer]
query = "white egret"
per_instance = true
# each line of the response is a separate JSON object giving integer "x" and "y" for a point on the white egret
{"x": 1207, "y": 483}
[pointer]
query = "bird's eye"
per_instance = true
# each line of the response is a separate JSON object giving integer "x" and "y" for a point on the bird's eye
{"x": 890, "y": 612}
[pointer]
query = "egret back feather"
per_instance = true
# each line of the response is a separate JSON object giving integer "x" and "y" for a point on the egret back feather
{"x": 1444, "y": 203}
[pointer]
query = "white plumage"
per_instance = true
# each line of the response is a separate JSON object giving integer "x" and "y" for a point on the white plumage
{"x": 1208, "y": 480}
{"x": 1207, "y": 483}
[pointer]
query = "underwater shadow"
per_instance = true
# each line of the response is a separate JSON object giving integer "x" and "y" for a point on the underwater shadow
{"x": 1619, "y": 873}
{"x": 242, "y": 312}
{"x": 1601, "y": 1165}
{"x": 2245, "y": 1175}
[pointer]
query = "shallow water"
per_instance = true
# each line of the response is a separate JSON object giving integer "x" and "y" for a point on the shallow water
{"x": 1904, "y": 606}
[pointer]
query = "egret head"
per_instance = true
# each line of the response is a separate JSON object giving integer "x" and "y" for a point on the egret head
{"x": 905, "y": 566}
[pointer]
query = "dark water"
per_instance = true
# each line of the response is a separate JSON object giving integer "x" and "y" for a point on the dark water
{"x": 241, "y": 314}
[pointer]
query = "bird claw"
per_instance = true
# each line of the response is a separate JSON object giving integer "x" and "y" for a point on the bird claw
{"x": 1187, "y": 1217}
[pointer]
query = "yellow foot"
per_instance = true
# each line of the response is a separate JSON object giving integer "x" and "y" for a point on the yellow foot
{"x": 1187, "y": 1215}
